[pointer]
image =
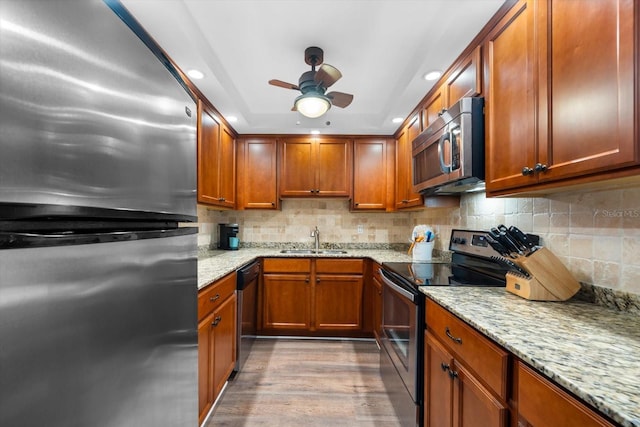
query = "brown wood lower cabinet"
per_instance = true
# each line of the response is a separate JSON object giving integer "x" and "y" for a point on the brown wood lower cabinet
{"x": 465, "y": 374}
{"x": 308, "y": 296}
{"x": 216, "y": 340}
{"x": 468, "y": 383}
{"x": 542, "y": 403}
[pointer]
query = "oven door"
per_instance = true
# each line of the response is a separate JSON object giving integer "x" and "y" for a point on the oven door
{"x": 402, "y": 336}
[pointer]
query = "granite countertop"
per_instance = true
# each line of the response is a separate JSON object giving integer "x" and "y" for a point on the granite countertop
{"x": 214, "y": 264}
{"x": 591, "y": 350}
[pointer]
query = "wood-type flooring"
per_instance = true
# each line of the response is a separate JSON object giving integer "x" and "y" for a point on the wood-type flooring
{"x": 295, "y": 382}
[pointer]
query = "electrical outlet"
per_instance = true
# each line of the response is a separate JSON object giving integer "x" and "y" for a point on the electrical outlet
{"x": 360, "y": 228}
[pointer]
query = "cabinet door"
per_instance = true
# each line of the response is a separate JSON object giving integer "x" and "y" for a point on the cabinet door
{"x": 438, "y": 386}
{"x": 205, "y": 367}
{"x": 433, "y": 107}
{"x": 405, "y": 197}
{"x": 338, "y": 302}
{"x": 333, "y": 167}
{"x": 473, "y": 402}
{"x": 224, "y": 343}
{"x": 298, "y": 172}
{"x": 227, "y": 169}
{"x": 465, "y": 80}
{"x": 510, "y": 107}
{"x": 540, "y": 403}
{"x": 208, "y": 157}
{"x": 286, "y": 301}
{"x": 586, "y": 87}
{"x": 372, "y": 175}
{"x": 257, "y": 173}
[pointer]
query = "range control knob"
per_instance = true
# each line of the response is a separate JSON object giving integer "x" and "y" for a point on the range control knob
{"x": 459, "y": 240}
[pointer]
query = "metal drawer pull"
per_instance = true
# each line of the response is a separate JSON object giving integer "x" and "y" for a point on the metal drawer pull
{"x": 454, "y": 339}
{"x": 445, "y": 367}
{"x": 453, "y": 374}
{"x": 216, "y": 321}
{"x": 217, "y": 297}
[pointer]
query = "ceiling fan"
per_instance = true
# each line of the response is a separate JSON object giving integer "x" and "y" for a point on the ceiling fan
{"x": 314, "y": 102}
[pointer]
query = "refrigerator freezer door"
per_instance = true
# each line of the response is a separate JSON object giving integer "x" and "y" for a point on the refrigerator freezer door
{"x": 89, "y": 116}
{"x": 99, "y": 335}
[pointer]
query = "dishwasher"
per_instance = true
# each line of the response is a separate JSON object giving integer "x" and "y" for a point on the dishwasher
{"x": 247, "y": 292}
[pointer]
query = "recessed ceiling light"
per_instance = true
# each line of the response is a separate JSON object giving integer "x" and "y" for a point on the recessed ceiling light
{"x": 315, "y": 132}
{"x": 195, "y": 74}
{"x": 432, "y": 75}
{"x": 232, "y": 119}
{"x": 397, "y": 120}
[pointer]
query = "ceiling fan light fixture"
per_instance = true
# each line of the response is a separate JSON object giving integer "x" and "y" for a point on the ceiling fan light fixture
{"x": 312, "y": 105}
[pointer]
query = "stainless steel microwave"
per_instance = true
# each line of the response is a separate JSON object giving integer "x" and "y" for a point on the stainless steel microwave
{"x": 448, "y": 156}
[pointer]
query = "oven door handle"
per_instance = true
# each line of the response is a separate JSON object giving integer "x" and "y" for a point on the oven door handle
{"x": 411, "y": 296}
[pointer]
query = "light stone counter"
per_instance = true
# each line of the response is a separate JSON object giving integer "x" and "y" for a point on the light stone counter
{"x": 214, "y": 264}
{"x": 590, "y": 350}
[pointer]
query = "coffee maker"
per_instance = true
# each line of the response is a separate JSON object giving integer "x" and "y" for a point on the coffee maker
{"x": 228, "y": 237}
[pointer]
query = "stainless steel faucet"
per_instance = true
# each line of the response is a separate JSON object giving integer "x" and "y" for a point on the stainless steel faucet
{"x": 316, "y": 233}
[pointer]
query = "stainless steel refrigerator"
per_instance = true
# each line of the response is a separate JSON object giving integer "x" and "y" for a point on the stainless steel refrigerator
{"x": 98, "y": 275}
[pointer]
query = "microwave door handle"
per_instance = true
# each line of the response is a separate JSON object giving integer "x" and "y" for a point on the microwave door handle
{"x": 443, "y": 166}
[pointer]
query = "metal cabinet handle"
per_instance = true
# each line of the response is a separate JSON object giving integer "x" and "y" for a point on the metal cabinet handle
{"x": 445, "y": 366}
{"x": 539, "y": 167}
{"x": 317, "y": 280}
{"x": 405, "y": 201}
{"x": 453, "y": 374}
{"x": 215, "y": 298}
{"x": 306, "y": 280}
{"x": 216, "y": 321}
{"x": 526, "y": 171}
{"x": 454, "y": 339}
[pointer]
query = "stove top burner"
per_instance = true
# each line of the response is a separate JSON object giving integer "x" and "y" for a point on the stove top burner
{"x": 472, "y": 265}
{"x": 440, "y": 274}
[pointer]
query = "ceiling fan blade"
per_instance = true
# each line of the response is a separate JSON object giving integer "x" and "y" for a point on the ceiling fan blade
{"x": 285, "y": 85}
{"x": 327, "y": 75}
{"x": 340, "y": 99}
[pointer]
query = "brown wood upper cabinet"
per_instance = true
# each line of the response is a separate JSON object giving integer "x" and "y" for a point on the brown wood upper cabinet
{"x": 315, "y": 167}
{"x": 257, "y": 173}
{"x": 216, "y": 161}
{"x": 465, "y": 79}
{"x": 433, "y": 106}
{"x": 405, "y": 196}
{"x": 561, "y": 95}
{"x": 373, "y": 174}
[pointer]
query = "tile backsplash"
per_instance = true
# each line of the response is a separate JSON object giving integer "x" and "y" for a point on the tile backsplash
{"x": 596, "y": 234}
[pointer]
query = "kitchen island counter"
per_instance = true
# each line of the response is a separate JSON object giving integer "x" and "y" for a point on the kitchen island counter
{"x": 215, "y": 264}
{"x": 591, "y": 350}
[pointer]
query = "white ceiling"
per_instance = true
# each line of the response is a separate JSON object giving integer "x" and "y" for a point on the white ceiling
{"x": 382, "y": 47}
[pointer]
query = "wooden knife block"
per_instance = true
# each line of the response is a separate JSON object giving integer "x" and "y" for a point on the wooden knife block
{"x": 550, "y": 280}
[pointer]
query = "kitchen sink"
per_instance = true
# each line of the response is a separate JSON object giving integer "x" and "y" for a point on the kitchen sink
{"x": 313, "y": 252}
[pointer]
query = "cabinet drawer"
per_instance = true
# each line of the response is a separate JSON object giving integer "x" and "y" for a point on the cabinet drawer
{"x": 286, "y": 265}
{"x": 478, "y": 353}
{"x": 334, "y": 265}
{"x": 541, "y": 403}
{"x": 212, "y": 296}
